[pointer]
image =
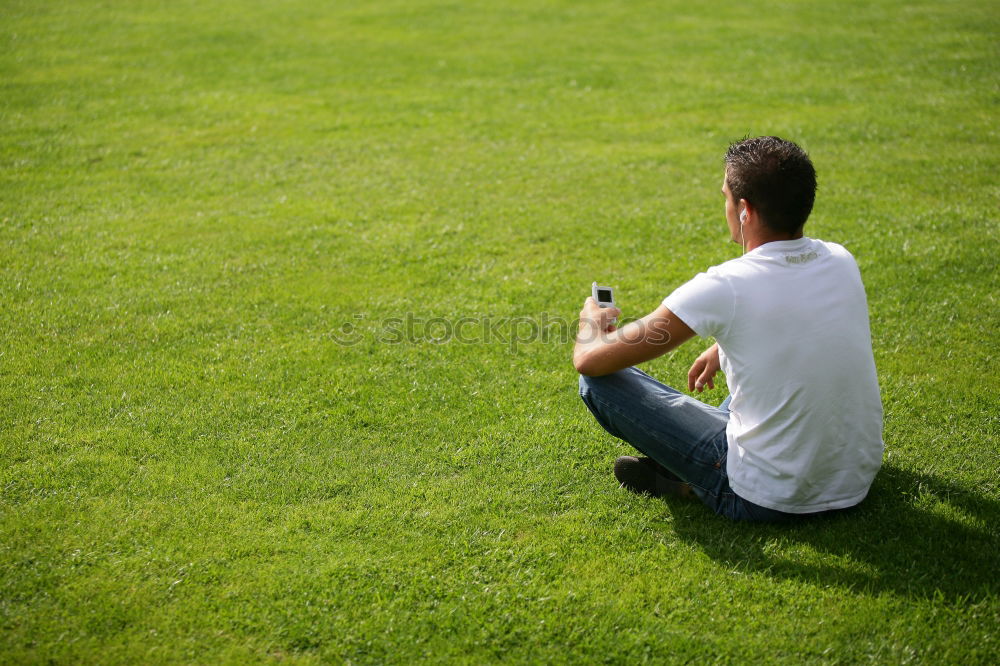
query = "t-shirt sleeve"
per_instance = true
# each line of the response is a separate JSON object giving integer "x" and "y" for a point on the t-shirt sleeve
{"x": 705, "y": 303}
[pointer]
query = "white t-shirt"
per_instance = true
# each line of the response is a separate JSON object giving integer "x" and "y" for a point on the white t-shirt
{"x": 791, "y": 321}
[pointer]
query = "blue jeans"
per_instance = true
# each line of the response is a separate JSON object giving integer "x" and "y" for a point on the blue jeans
{"x": 681, "y": 433}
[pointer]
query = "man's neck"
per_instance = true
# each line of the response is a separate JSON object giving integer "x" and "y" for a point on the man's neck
{"x": 754, "y": 243}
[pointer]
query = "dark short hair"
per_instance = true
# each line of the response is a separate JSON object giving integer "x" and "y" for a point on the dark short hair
{"x": 776, "y": 177}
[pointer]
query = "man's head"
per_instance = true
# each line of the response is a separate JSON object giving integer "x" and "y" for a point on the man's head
{"x": 775, "y": 177}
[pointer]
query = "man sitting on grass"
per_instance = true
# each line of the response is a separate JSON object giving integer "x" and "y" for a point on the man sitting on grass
{"x": 801, "y": 432}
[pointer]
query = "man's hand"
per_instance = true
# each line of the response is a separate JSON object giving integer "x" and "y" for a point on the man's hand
{"x": 602, "y": 348}
{"x": 595, "y": 319}
{"x": 703, "y": 370}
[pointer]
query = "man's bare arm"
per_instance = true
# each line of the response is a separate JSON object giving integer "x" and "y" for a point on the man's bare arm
{"x": 602, "y": 349}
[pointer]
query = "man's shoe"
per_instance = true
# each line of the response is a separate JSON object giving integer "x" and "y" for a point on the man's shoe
{"x": 645, "y": 475}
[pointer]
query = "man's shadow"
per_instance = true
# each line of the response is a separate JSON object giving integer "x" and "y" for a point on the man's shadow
{"x": 915, "y": 535}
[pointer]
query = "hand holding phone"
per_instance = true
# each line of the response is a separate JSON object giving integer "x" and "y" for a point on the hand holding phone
{"x": 605, "y": 297}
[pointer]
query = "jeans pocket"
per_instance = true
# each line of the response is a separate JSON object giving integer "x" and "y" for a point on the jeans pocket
{"x": 722, "y": 459}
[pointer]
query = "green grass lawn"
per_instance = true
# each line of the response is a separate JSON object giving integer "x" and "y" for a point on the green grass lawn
{"x": 220, "y": 443}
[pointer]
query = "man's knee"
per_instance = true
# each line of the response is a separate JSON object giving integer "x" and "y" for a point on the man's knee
{"x": 623, "y": 380}
{"x": 590, "y": 385}
{"x": 590, "y": 388}
{"x": 603, "y": 390}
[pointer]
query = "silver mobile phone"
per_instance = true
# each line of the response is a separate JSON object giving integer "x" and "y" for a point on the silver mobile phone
{"x": 605, "y": 296}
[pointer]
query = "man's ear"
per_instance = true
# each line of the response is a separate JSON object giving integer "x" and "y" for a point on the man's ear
{"x": 746, "y": 211}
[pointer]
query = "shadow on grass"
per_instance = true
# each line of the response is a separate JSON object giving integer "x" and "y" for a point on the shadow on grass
{"x": 915, "y": 535}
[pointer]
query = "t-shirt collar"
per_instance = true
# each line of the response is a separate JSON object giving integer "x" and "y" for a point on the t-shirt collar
{"x": 781, "y": 247}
